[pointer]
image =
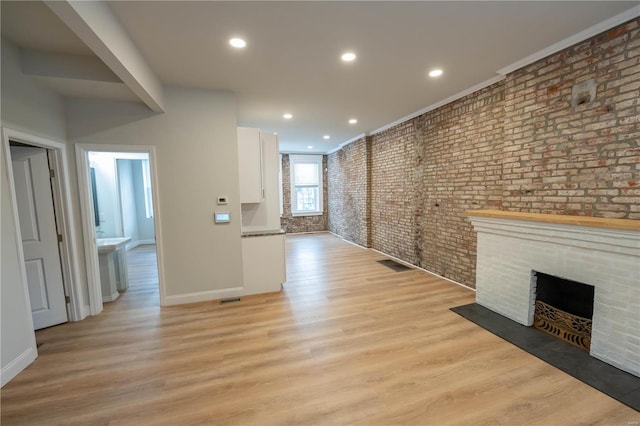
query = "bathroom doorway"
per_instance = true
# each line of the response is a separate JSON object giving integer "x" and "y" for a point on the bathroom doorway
{"x": 122, "y": 196}
{"x": 119, "y": 214}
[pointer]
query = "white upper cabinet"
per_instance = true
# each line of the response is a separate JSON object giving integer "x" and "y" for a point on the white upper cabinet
{"x": 271, "y": 169}
{"x": 250, "y": 162}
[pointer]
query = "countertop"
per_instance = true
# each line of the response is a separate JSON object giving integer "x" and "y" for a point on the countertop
{"x": 265, "y": 233}
{"x": 107, "y": 245}
{"x": 596, "y": 222}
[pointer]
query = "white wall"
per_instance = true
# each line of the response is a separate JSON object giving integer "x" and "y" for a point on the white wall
{"x": 127, "y": 199}
{"x": 35, "y": 110}
{"x": 17, "y": 349}
{"x": 26, "y": 105}
{"x": 107, "y": 194}
{"x": 197, "y": 161}
{"x": 146, "y": 232}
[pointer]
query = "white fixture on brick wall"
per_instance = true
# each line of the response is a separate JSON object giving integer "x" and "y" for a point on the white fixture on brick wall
{"x": 603, "y": 253}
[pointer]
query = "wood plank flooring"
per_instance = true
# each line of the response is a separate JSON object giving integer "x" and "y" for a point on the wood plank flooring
{"x": 348, "y": 341}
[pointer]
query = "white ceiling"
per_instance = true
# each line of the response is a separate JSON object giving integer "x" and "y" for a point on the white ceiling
{"x": 292, "y": 60}
{"x": 31, "y": 25}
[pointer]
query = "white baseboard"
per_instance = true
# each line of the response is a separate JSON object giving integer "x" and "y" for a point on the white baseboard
{"x": 203, "y": 296}
{"x": 12, "y": 369}
{"x": 403, "y": 262}
{"x": 84, "y": 312}
{"x": 111, "y": 298}
{"x": 307, "y": 232}
{"x": 347, "y": 241}
{"x": 410, "y": 265}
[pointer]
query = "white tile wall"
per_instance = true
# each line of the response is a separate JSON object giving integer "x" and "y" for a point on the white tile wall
{"x": 609, "y": 260}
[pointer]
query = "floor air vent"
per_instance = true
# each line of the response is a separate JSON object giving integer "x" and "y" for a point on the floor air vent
{"x": 398, "y": 267}
{"x": 233, "y": 299}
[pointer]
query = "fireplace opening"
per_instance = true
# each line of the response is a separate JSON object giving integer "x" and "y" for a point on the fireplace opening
{"x": 564, "y": 309}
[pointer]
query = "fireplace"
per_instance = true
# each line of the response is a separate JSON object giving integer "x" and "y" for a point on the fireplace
{"x": 563, "y": 308}
{"x": 601, "y": 253}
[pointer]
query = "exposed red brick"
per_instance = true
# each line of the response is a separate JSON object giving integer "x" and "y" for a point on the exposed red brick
{"x": 349, "y": 192}
{"x": 617, "y": 31}
{"x": 517, "y": 145}
{"x": 293, "y": 224}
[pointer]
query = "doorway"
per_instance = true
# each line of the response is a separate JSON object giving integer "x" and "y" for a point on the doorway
{"x": 32, "y": 176}
{"x": 119, "y": 214}
{"x": 123, "y": 211}
{"x": 44, "y": 227}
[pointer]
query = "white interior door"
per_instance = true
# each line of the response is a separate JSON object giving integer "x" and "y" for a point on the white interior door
{"x": 39, "y": 235}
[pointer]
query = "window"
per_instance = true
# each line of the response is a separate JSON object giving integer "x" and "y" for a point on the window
{"x": 306, "y": 185}
{"x": 146, "y": 182}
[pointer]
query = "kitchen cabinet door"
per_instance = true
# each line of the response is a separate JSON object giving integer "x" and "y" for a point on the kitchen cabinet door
{"x": 250, "y": 165}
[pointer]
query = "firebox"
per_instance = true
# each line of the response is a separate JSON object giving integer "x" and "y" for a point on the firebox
{"x": 564, "y": 309}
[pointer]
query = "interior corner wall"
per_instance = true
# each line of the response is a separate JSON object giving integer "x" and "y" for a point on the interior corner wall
{"x": 516, "y": 145}
{"x": 30, "y": 108}
{"x": 295, "y": 224}
{"x": 17, "y": 348}
{"x": 197, "y": 161}
{"x": 348, "y": 189}
{"x": 26, "y": 105}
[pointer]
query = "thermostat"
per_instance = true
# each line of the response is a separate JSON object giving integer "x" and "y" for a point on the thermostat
{"x": 222, "y": 217}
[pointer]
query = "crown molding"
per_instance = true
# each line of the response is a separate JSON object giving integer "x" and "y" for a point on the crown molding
{"x": 599, "y": 28}
{"x": 441, "y": 103}
{"x": 347, "y": 142}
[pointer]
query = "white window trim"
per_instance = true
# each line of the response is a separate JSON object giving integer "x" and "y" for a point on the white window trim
{"x": 280, "y": 186}
{"x": 146, "y": 183}
{"x": 317, "y": 159}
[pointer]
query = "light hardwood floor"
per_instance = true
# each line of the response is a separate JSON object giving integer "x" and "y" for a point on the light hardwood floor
{"x": 348, "y": 341}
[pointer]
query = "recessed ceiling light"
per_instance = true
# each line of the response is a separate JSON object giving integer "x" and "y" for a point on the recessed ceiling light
{"x": 326, "y": 137}
{"x": 309, "y": 147}
{"x": 348, "y": 56}
{"x": 352, "y": 121}
{"x": 288, "y": 116}
{"x": 435, "y": 73}
{"x": 238, "y": 43}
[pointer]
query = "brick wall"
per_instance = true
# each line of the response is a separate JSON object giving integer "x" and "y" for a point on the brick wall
{"x": 394, "y": 165}
{"x": 293, "y": 224}
{"x": 580, "y": 160}
{"x": 459, "y": 150}
{"x": 349, "y": 210}
{"x": 427, "y": 172}
{"x": 516, "y": 145}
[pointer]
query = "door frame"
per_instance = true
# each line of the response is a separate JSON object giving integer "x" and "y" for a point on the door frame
{"x": 87, "y": 215}
{"x": 76, "y": 309}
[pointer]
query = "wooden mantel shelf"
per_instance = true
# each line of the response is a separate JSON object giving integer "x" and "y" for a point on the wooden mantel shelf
{"x": 596, "y": 222}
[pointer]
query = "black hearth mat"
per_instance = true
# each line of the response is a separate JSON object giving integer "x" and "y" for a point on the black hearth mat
{"x": 606, "y": 378}
{"x": 398, "y": 267}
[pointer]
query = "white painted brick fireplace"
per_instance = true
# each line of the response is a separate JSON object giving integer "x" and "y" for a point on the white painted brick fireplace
{"x": 604, "y": 253}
